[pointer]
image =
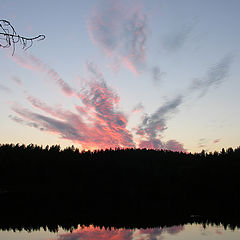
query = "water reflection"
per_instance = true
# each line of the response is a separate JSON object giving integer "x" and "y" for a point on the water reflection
{"x": 87, "y": 233}
{"x": 195, "y": 231}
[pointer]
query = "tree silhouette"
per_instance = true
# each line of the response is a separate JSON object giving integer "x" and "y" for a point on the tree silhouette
{"x": 9, "y": 37}
{"x": 104, "y": 185}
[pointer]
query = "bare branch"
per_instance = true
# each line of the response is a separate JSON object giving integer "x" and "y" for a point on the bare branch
{"x": 9, "y": 37}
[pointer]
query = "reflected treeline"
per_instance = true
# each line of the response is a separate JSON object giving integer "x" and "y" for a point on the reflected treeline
{"x": 121, "y": 188}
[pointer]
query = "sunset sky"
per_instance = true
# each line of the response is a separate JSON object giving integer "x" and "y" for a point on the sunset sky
{"x": 160, "y": 74}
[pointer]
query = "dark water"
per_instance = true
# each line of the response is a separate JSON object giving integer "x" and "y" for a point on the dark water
{"x": 194, "y": 231}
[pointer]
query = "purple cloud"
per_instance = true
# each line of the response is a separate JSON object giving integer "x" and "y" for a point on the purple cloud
{"x": 214, "y": 76}
{"x": 4, "y": 88}
{"x": 17, "y": 80}
{"x": 35, "y": 64}
{"x": 157, "y": 74}
{"x": 96, "y": 122}
{"x": 119, "y": 28}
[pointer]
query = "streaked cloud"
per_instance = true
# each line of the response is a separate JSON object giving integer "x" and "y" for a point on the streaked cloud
{"x": 153, "y": 125}
{"x": 95, "y": 123}
{"x": 202, "y": 143}
{"x": 120, "y": 29}
{"x": 4, "y": 88}
{"x": 174, "y": 145}
{"x": 156, "y": 122}
{"x": 215, "y": 75}
{"x": 176, "y": 40}
{"x": 63, "y": 128}
{"x": 138, "y": 108}
{"x": 35, "y": 64}
{"x": 216, "y": 140}
{"x": 157, "y": 74}
{"x": 25, "y": 122}
{"x": 17, "y": 80}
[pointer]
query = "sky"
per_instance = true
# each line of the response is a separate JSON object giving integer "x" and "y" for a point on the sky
{"x": 161, "y": 74}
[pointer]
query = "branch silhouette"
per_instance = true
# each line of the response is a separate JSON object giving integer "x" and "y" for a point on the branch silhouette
{"x": 9, "y": 37}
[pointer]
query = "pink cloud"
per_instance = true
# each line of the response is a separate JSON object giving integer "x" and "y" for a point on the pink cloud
{"x": 23, "y": 62}
{"x": 216, "y": 140}
{"x": 171, "y": 145}
{"x": 35, "y": 64}
{"x": 127, "y": 62}
{"x": 151, "y": 144}
{"x": 96, "y": 123}
{"x": 17, "y": 80}
{"x": 175, "y": 146}
{"x": 138, "y": 108}
{"x": 120, "y": 30}
{"x": 154, "y": 124}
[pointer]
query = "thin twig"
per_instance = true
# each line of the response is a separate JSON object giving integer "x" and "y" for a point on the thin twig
{"x": 9, "y": 37}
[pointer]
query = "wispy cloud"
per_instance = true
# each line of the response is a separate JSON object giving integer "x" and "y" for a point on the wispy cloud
{"x": 63, "y": 128}
{"x": 4, "y": 88}
{"x": 202, "y": 142}
{"x": 24, "y": 62}
{"x": 25, "y": 122}
{"x": 138, "y": 108}
{"x": 174, "y": 145}
{"x": 96, "y": 123}
{"x": 153, "y": 125}
{"x": 35, "y": 64}
{"x": 119, "y": 28}
{"x": 176, "y": 40}
{"x": 216, "y": 140}
{"x": 214, "y": 76}
{"x": 156, "y": 122}
{"x": 157, "y": 74}
{"x": 17, "y": 80}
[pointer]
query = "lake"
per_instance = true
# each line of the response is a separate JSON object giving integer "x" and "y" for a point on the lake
{"x": 185, "y": 232}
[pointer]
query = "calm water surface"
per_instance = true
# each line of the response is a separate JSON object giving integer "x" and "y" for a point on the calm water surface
{"x": 86, "y": 233}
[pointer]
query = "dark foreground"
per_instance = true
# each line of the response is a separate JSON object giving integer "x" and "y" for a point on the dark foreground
{"x": 117, "y": 188}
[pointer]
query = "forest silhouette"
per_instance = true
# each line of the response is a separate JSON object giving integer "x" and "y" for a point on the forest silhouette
{"x": 50, "y": 187}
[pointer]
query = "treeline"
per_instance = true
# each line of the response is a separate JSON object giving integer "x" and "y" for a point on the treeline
{"x": 110, "y": 170}
{"x": 120, "y": 186}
